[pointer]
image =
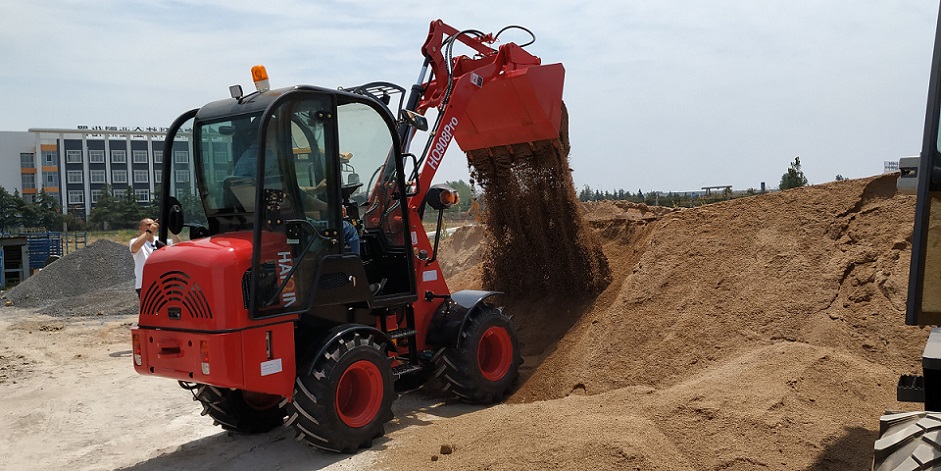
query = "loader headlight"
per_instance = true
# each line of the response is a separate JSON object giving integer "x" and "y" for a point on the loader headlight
{"x": 442, "y": 197}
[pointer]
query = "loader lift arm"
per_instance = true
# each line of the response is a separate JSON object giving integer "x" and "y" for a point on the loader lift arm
{"x": 499, "y": 97}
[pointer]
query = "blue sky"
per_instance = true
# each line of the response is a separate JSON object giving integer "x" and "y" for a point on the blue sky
{"x": 667, "y": 95}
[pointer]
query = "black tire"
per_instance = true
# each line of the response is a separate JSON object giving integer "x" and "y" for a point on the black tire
{"x": 239, "y": 411}
{"x": 908, "y": 441}
{"x": 484, "y": 366}
{"x": 49, "y": 260}
{"x": 343, "y": 399}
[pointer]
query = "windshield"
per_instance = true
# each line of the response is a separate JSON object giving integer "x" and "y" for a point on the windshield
{"x": 365, "y": 146}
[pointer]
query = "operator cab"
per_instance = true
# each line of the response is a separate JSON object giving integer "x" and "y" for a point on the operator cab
{"x": 302, "y": 172}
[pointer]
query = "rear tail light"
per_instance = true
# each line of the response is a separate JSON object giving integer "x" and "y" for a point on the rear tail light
{"x": 204, "y": 356}
{"x": 135, "y": 341}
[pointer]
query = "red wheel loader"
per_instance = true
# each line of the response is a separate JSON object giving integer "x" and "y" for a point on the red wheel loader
{"x": 310, "y": 292}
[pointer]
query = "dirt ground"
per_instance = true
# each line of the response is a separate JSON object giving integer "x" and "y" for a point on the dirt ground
{"x": 760, "y": 333}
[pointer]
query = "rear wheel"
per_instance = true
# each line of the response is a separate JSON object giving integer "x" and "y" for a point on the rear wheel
{"x": 343, "y": 399}
{"x": 236, "y": 410}
{"x": 484, "y": 366}
{"x": 908, "y": 441}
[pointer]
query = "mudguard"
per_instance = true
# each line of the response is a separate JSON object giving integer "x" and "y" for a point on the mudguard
{"x": 450, "y": 318}
{"x": 336, "y": 333}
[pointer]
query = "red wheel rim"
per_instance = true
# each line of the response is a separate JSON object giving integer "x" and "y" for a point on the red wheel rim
{"x": 494, "y": 353}
{"x": 359, "y": 394}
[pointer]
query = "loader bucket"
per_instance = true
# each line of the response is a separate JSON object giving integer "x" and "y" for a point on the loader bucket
{"x": 522, "y": 105}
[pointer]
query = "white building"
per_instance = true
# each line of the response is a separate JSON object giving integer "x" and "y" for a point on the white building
{"x": 74, "y": 165}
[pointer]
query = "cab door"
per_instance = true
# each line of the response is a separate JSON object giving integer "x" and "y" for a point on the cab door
{"x": 297, "y": 218}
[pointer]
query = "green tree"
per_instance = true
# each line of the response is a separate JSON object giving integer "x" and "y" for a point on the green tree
{"x": 9, "y": 211}
{"x": 794, "y": 177}
{"x": 48, "y": 212}
{"x": 586, "y": 194}
{"x": 129, "y": 210}
{"x": 105, "y": 212}
{"x": 25, "y": 212}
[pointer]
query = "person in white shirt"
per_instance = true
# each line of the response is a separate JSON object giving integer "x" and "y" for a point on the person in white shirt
{"x": 142, "y": 246}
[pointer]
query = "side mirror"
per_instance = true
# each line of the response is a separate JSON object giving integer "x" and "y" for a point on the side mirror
{"x": 414, "y": 120}
{"x": 175, "y": 219}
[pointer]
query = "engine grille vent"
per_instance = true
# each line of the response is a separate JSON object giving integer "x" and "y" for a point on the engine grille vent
{"x": 176, "y": 288}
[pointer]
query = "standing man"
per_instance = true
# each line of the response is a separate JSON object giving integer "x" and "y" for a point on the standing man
{"x": 142, "y": 246}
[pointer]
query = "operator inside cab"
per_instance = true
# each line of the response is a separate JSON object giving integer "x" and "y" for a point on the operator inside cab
{"x": 247, "y": 164}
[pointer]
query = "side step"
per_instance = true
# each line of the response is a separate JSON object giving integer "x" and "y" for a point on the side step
{"x": 911, "y": 388}
{"x": 405, "y": 369}
{"x": 401, "y": 333}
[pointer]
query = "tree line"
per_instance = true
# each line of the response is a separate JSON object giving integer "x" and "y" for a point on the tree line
{"x": 110, "y": 212}
{"x": 16, "y": 213}
{"x": 124, "y": 211}
{"x": 793, "y": 178}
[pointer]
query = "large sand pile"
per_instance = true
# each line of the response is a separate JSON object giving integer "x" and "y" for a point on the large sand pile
{"x": 764, "y": 332}
{"x": 760, "y": 333}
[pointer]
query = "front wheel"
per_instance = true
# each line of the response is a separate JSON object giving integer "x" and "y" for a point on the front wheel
{"x": 484, "y": 366}
{"x": 908, "y": 441}
{"x": 343, "y": 398}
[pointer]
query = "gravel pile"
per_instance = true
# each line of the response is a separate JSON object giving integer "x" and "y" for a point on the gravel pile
{"x": 96, "y": 280}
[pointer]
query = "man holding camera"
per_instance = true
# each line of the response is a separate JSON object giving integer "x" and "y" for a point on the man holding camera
{"x": 142, "y": 246}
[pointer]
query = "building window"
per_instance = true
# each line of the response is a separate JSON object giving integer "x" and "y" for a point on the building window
{"x": 119, "y": 176}
{"x": 96, "y": 156}
{"x": 28, "y": 198}
{"x": 158, "y": 156}
{"x": 74, "y": 176}
{"x": 76, "y": 196}
{"x": 140, "y": 176}
{"x": 140, "y": 156}
{"x": 52, "y": 178}
{"x": 73, "y": 156}
{"x": 50, "y": 158}
{"x": 158, "y": 176}
{"x": 119, "y": 156}
{"x": 119, "y": 192}
{"x": 181, "y": 192}
{"x": 96, "y": 176}
{"x": 182, "y": 176}
{"x": 142, "y": 195}
{"x": 95, "y": 194}
{"x": 29, "y": 180}
{"x": 181, "y": 156}
{"x": 26, "y": 160}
